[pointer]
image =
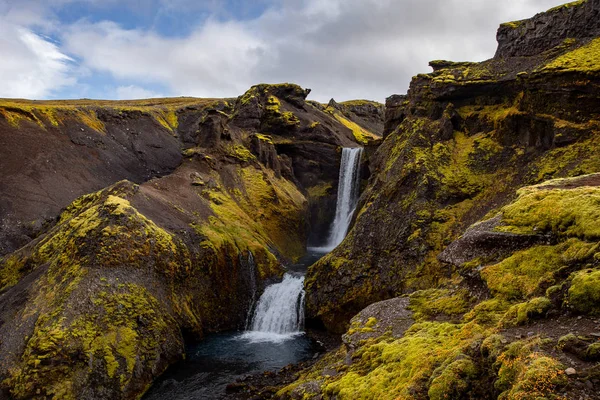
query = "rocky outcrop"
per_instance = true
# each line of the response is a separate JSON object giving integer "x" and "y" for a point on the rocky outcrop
{"x": 545, "y": 31}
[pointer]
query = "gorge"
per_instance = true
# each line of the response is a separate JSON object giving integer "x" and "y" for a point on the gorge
{"x": 448, "y": 241}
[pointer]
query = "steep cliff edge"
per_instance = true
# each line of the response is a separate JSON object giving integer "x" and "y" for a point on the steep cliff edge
{"x": 189, "y": 208}
{"x": 456, "y": 148}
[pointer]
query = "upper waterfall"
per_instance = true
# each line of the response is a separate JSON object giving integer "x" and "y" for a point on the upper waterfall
{"x": 348, "y": 190}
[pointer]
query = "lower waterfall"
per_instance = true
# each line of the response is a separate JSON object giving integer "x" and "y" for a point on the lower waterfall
{"x": 279, "y": 312}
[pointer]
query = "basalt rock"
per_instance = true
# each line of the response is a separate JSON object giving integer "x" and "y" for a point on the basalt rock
{"x": 578, "y": 19}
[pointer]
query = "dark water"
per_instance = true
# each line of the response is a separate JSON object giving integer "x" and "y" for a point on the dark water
{"x": 223, "y": 358}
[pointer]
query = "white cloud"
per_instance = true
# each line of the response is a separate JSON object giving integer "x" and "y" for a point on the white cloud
{"x": 133, "y": 92}
{"x": 31, "y": 66}
{"x": 339, "y": 48}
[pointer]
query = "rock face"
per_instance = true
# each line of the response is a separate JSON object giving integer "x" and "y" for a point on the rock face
{"x": 129, "y": 227}
{"x": 545, "y": 31}
{"x": 456, "y": 148}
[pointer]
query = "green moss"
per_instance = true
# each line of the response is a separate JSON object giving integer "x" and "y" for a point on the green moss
{"x": 361, "y": 135}
{"x": 453, "y": 381}
{"x": 524, "y": 373}
{"x": 592, "y": 352}
{"x": 430, "y": 303}
{"x": 568, "y": 213}
{"x": 520, "y": 275}
{"x": 522, "y": 313}
{"x": 567, "y": 5}
{"x": 265, "y": 138}
{"x": 360, "y": 103}
{"x": 584, "y": 293}
{"x": 266, "y": 213}
{"x": 585, "y": 59}
{"x": 392, "y": 369}
{"x": 11, "y": 270}
{"x": 240, "y": 152}
{"x": 274, "y": 118}
{"x": 488, "y": 312}
{"x": 320, "y": 190}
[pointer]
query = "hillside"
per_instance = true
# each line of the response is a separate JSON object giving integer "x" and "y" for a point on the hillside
{"x": 131, "y": 227}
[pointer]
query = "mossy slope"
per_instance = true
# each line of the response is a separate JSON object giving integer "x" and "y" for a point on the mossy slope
{"x": 462, "y": 345}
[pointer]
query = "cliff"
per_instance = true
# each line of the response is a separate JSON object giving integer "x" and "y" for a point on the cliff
{"x": 131, "y": 227}
{"x": 481, "y": 214}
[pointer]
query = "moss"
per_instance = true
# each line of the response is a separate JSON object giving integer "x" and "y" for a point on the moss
{"x": 568, "y": 5}
{"x": 264, "y": 214}
{"x": 522, "y": 313}
{"x": 568, "y": 213}
{"x": 513, "y": 24}
{"x": 430, "y": 303}
{"x": 265, "y": 138}
{"x": 11, "y": 270}
{"x": 453, "y": 381}
{"x": 358, "y": 327}
{"x": 522, "y": 274}
{"x": 401, "y": 368}
{"x": 584, "y": 293}
{"x": 274, "y": 118}
{"x": 320, "y": 190}
{"x": 524, "y": 373}
{"x": 360, "y": 103}
{"x": 585, "y": 59}
{"x": 240, "y": 152}
{"x": 592, "y": 352}
{"x": 361, "y": 135}
{"x": 488, "y": 312}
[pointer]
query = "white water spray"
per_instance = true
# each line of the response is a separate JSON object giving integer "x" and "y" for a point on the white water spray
{"x": 279, "y": 313}
{"x": 348, "y": 188}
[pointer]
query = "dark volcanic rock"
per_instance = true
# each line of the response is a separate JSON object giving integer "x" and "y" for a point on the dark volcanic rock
{"x": 579, "y": 19}
{"x": 482, "y": 241}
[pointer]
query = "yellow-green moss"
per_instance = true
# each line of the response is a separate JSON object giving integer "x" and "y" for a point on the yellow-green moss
{"x": 567, "y": 212}
{"x": 584, "y": 293}
{"x": 435, "y": 302}
{"x": 401, "y": 368}
{"x": 275, "y": 118}
{"x": 585, "y": 59}
{"x": 320, "y": 190}
{"x": 453, "y": 380}
{"x": 524, "y": 373}
{"x": 240, "y": 152}
{"x": 265, "y": 213}
{"x": 361, "y": 135}
{"x": 522, "y": 313}
{"x": 520, "y": 275}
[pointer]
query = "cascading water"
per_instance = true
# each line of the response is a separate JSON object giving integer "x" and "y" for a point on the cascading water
{"x": 348, "y": 188}
{"x": 279, "y": 313}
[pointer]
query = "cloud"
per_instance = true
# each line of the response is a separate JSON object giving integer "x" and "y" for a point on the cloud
{"x": 339, "y": 48}
{"x": 32, "y": 66}
{"x": 133, "y": 92}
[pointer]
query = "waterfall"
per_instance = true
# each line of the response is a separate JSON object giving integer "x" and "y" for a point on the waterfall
{"x": 348, "y": 188}
{"x": 279, "y": 312}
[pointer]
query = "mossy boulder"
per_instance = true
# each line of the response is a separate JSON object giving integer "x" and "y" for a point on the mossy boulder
{"x": 584, "y": 293}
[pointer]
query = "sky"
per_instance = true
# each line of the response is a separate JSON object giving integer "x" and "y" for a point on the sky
{"x": 342, "y": 49}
